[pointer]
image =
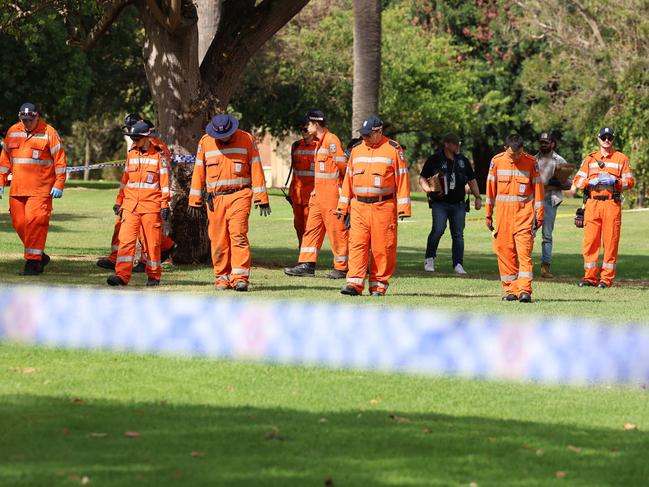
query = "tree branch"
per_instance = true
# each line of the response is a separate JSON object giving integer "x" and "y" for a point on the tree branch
{"x": 113, "y": 10}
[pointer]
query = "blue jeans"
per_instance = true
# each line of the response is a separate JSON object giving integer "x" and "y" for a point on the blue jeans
{"x": 546, "y": 233}
{"x": 455, "y": 213}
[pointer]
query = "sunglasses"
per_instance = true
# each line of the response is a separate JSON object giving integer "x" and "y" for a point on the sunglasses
{"x": 607, "y": 137}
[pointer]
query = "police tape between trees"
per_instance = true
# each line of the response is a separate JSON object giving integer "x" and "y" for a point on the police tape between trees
{"x": 176, "y": 159}
{"x": 554, "y": 350}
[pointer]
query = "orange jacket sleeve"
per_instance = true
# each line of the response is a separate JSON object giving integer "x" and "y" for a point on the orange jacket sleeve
{"x": 346, "y": 191}
{"x": 259, "y": 192}
{"x": 5, "y": 163}
{"x": 339, "y": 158}
{"x": 198, "y": 178}
{"x": 539, "y": 191}
{"x": 492, "y": 187}
{"x": 403, "y": 183}
{"x": 163, "y": 170}
{"x": 627, "y": 181}
{"x": 58, "y": 156}
{"x": 581, "y": 178}
{"x": 122, "y": 184}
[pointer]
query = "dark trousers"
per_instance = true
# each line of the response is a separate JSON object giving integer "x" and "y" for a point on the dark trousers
{"x": 455, "y": 214}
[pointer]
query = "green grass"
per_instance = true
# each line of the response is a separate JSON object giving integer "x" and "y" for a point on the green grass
{"x": 64, "y": 413}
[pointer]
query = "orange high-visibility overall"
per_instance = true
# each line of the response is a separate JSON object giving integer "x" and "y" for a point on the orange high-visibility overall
{"x": 515, "y": 188}
{"x": 145, "y": 194}
{"x": 165, "y": 242}
{"x": 603, "y": 212}
{"x": 37, "y": 163}
{"x": 302, "y": 182}
{"x": 233, "y": 173}
{"x": 330, "y": 165}
{"x": 377, "y": 187}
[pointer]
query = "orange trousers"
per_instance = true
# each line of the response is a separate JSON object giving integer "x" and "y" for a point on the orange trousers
{"x": 322, "y": 218}
{"x": 602, "y": 223}
{"x": 300, "y": 217}
{"x": 30, "y": 216}
{"x": 165, "y": 243}
{"x": 374, "y": 227}
{"x": 228, "y": 232}
{"x": 513, "y": 245}
{"x": 151, "y": 223}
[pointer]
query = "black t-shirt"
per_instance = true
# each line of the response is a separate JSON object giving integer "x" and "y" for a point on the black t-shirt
{"x": 458, "y": 170}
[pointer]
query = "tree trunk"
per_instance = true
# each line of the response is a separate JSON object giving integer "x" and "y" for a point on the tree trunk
{"x": 86, "y": 172}
{"x": 209, "y": 16}
{"x": 367, "y": 61}
{"x": 171, "y": 66}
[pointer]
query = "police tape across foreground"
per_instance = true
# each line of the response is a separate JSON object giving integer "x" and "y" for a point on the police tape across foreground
{"x": 552, "y": 350}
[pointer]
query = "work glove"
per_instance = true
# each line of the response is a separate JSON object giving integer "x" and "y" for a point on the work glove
{"x": 347, "y": 220}
{"x": 579, "y": 218}
{"x": 2, "y": 191}
{"x": 537, "y": 224}
{"x": 56, "y": 193}
{"x": 164, "y": 213}
{"x": 117, "y": 209}
{"x": 193, "y": 212}
{"x": 489, "y": 221}
{"x": 608, "y": 180}
{"x": 264, "y": 209}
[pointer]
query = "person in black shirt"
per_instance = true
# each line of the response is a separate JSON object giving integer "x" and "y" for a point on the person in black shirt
{"x": 453, "y": 171}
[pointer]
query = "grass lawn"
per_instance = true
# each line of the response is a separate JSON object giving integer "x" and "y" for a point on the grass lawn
{"x": 113, "y": 419}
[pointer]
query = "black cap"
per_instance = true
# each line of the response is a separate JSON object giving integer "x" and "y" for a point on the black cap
{"x": 606, "y": 131}
{"x": 139, "y": 129}
{"x": 27, "y": 111}
{"x": 315, "y": 116}
{"x": 370, "y": 124}
{"x": 546, "y": 137}
{"x": 131, "y": 119}
{"x": 451, "y": 138}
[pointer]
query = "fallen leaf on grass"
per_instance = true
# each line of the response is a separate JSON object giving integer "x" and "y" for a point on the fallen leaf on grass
{"x": 540, "y": 452}
{"x": 76, "y": 400}
{"x": 198, "y": 454}
{"x": 473, "y": 484}
{"x": 322, "y": 420}
{"x": 98, "y": 435}
{"x": 575, "y": 449}
{"x": 82, "y": 480}
{"x": 426, "y": 430}
{"x": 131, "y": 434}
{"x": 66, "y": 431}
{"x": 399, "y": 419}
{"x": 273, "y": 434}
{"x": 374, "y": 402}
{"x": 630, "y": 426}
{"x": 560, "y": 474}
{"x": 493, "y": 440}
{"x": 26, "y": 370}
{"x": 85, "y": 480}
{"x": 329, "y": 482}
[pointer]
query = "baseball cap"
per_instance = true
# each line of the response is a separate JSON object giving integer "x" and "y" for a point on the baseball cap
{"x": 138, "y": 130}
{"x": 546, "y": 137}
{"x": 369, "y": 124}
{"x": 451, "y": 138}
{"x": 606, "y": 131}
{"x": 315, "y": 116}
{"x": 27, "y": 111}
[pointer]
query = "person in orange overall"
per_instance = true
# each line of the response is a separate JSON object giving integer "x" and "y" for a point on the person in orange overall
{"x": 302, "y": 181}
{"x": 145, "y": 205}
{"x": 167, "y": 245}
{"x": 228, "y": 174}
{"x": 514, "y": 186}
{"x": 377, "y": 190}
{"x": 604, "y": 174}
{"x": 33, "y": 154}
{"x": 330, "y": 166}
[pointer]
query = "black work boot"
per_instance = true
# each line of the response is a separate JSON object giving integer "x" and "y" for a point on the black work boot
{"x": 585, "y": 283}
{"x": 44, "y": 261}
{"x": 349, "y": 290}
{"x": 336, "y": 274}
{"x": 510, "y": 297}
{"x": 241, "y": 286}
{"x": 105, "y": 263}
{"x": 305, "y": 269}
{"x": 32, "y": 268}
{"x": 115, "y": 281}
{"x": 139, "y": 267}
{"x": 524, "y": 297}
{"x": 165, "y": 254}
{"x": 152, "y": 281}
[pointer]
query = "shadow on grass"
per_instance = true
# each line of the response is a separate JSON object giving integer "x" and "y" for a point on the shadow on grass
{"x": 53, "y": 440}
{"x": 75, "y": 184}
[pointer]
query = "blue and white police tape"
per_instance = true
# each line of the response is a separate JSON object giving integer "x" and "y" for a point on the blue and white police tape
{"x": 371, "y": 338}
{"x": 175, "y": 159}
